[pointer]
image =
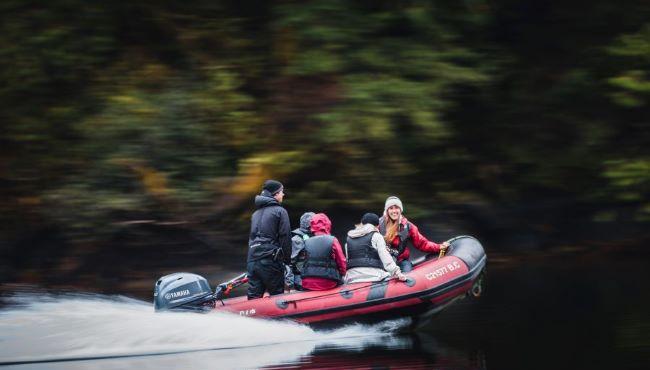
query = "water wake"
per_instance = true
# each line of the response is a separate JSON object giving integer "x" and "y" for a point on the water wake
{"x": 48, "y": 329}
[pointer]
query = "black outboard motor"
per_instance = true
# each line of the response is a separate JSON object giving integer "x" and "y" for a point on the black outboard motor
{"x": 183, "y": 291}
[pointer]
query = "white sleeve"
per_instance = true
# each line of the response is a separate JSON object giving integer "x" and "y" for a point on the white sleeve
{"x": 389, "y": 264}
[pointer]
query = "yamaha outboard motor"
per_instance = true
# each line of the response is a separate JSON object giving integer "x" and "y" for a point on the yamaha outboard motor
{"x": 183, "y": 291}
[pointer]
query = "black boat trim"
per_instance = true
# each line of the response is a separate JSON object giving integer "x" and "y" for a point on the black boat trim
{"x": 429, "y": 294}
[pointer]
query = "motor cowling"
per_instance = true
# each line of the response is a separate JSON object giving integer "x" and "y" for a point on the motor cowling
{"x": 182, "y": 291}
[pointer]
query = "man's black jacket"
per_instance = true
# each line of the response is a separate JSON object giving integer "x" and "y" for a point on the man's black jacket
{"x": 270, "y": 225}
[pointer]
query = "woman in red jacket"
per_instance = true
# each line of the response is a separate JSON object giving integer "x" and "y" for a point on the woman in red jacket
{"x": 325, "y": 264}
{"x": 398, "y": 231}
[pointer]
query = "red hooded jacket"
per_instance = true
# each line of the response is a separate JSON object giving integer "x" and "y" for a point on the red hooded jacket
{"x": 321, "y": 225}
{"x": 418, "y": 240}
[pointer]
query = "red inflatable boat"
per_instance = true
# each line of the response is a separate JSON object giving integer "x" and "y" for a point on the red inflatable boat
{"x": 433, "y": 284}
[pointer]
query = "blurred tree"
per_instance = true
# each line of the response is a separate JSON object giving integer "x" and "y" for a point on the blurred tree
{"x": 380, "y": 74}
{"x": 534, "y": 114}
{"x": 45, "y": 68}
{"x": 544, "y": 138}
{"x": 628, "y": 168}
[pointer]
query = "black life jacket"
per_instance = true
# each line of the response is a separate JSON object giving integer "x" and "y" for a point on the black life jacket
{"x": 319, "y": 261}
{"x": 361, "y": 253}
{"x": 402, "y": 234}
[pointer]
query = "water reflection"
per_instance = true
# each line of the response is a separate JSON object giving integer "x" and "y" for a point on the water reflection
{"x": 402, "y": 351}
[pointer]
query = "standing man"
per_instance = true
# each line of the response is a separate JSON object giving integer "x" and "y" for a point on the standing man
{"x": 269, "y": 242}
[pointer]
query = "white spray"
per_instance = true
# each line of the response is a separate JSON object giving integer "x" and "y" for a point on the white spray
{"x": 41, "y": 329}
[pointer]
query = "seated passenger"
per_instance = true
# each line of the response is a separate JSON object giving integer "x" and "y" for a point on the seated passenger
{"x": 324, "y": 259}
{"x": 298, "y": 249}
{"x": 367, "y": 254}
{"x": 398, "y": 231}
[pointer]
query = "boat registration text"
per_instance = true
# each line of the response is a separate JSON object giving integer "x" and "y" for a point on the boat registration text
{"x": 442, "y": 270}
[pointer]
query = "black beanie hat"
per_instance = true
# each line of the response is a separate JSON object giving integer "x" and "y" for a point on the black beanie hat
{"x": 272, "y": 186}
{"x": 370, "y": 218}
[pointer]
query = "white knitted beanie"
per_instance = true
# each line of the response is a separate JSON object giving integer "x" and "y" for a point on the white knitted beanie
{"x": 393, "y": 201}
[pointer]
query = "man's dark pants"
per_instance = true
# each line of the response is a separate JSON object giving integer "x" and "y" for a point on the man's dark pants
{"x": 265, "y": 275}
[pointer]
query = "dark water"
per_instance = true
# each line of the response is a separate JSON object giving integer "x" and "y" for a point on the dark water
{"x": 572, "y": 310}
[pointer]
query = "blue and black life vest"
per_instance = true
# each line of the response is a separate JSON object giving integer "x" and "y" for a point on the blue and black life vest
{"x": 361, "y": 253}
{"x": 319, "y": 261}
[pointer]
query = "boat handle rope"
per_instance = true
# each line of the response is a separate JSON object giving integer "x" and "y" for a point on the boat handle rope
{"x": 443, "y": 251}
{"x": 294, "y": 301}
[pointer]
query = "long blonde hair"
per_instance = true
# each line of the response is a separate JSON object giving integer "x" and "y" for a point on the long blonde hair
{"x": 392, "y": 228}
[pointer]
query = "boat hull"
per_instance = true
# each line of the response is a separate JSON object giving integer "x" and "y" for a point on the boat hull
{"x": 432, "y": 285}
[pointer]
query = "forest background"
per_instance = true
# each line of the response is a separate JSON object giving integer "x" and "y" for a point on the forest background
{"x": 136, "y": 134}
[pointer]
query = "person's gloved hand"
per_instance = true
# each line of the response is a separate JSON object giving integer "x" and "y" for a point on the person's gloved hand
{"x": 401, "y": 276}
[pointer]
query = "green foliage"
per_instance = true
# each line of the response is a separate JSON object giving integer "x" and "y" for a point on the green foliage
{"x": 631, "y": 181}
{"x": 632, "y": 84}
{"x": 154, "y": 154}
{"x": 393, "y": 67}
